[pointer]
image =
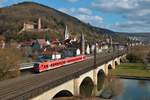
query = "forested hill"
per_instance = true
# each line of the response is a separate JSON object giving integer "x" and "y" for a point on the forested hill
{"x": 13, "y": 17}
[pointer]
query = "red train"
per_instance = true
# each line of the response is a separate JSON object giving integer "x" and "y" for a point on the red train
{"x": 44, "y": 66}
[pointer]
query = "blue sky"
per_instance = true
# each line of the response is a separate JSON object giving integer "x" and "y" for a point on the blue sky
{"x": 117, "y": 15}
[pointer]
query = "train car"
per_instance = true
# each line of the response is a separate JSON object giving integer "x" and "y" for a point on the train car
{"x": 44, "y": 66}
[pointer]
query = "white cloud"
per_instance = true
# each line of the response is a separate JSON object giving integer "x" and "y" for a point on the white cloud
{"x": 84, "y": 14}
{"x": 115, "y": 5}
{"x": 74, "y": 10}
{"x": 90, "y": 18}
{"x": 135, "y": 11}
{"x": 85, "y": 11}
{"x": 98, "y": 18}
{"x": 141, "y": 12}
{"x": 67, "y": 11}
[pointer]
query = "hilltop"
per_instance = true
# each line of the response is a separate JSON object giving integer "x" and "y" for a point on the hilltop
{"x": 13, "y": 17}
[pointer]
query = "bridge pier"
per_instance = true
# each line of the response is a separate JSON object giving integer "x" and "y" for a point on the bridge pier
{"x": 76, "y": 87}
{"x": 94, "y": 82}
{"x": 106, "y": 69}
{"x": 94, "y": 77}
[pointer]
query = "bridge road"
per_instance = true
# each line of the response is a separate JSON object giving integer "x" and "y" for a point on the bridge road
{"x": 26, "y": 87}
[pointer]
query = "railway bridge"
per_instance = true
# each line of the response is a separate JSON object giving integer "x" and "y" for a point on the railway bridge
{"x": 65, "y": 81}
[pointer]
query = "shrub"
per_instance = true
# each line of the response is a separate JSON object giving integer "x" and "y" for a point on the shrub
{"x": 148, "y": 57}
{"x": 133, "y": 58}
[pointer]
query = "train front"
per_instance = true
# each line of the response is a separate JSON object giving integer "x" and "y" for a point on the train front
{"x": 36, "y": 67}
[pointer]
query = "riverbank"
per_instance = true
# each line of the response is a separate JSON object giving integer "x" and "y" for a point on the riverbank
{"x": 131, "y": 71}
{"x": 80, "y": 98}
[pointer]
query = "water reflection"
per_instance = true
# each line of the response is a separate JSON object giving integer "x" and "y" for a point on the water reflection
{"x": 126, "y": 89}
{"x": 119, "y": 89}
{"x": 112, "y": 87}
{"x": 134, "y": 90}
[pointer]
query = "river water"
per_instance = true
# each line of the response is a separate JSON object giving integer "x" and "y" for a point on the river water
{"x": 134, "y": 90}
{"x": 122, "y": 89}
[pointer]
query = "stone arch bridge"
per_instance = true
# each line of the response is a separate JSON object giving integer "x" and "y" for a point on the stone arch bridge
{"x": 65, "y": 81}
{"x": 73, "y": 87}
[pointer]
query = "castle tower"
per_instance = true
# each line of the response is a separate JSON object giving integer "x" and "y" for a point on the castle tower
{"x": 39, "y": 23}
{"x": 66, "y": 33}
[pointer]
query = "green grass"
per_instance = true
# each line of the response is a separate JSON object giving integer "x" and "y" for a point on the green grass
{"x": 131, "y": 69}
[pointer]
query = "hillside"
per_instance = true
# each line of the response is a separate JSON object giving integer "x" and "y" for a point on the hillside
{"x": 13, "y": 17}
{"x": 142, "y": 36}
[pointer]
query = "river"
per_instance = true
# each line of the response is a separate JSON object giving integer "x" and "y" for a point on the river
{"x": 122, "y": 89}
{"x": 134, "y": 90}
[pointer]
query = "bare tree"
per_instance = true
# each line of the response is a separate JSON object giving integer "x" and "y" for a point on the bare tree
{"x": 9, "y": 60}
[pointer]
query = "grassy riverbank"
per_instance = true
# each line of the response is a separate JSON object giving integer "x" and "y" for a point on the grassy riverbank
{"x": 131, "y": 69}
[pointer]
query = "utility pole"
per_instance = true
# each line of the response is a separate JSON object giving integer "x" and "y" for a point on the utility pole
{"x": 94, "y": 54}
{"x": 82, "y": 43}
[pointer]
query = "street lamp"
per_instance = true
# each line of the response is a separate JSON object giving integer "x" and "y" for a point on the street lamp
{"x": 94, "y": 54}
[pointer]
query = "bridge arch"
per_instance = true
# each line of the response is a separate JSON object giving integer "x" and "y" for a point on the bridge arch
{"x": 86, "y": 87}
{"x": 62, "y": 93}
{"x": 121, "y": 60}
{"x": 110, "y": 66}
{"x": 100, "y": 79}
{"x": 116, "y": 63}
{"x": 65, "y": 89}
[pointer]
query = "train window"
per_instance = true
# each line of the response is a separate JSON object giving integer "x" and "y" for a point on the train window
{"x": 36, "y": 65}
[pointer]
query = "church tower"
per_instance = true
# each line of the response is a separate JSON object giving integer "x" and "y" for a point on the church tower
{"x": 66, "y": 33}
{"x": 39, "y": 23}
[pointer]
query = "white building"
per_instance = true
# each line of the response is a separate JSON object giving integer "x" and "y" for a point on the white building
{"x": 78, "y": 52}
{"x": 88, "y": 49}
{"x": 56, "y": 56}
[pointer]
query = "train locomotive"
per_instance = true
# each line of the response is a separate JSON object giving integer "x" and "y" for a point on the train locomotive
{"x": 52, "y": 64}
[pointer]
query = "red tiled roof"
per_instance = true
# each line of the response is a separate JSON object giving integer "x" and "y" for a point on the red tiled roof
{"x": 26, "y": 43}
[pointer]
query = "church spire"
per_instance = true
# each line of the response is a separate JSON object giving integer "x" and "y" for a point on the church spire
{"x": 39, "y": 23}
{"x": 66, "y": 33}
